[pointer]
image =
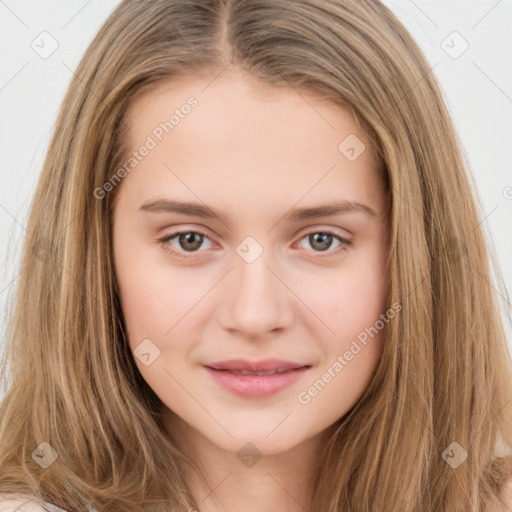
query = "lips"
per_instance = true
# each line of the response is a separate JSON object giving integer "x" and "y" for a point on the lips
{"x": 256, "y": 379}
{"x": 263, "y": 367}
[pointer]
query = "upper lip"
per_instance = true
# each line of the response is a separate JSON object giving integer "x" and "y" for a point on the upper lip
{"x": 263, "y": 365}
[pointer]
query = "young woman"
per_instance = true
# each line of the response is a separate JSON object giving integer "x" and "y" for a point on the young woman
{"x": 255, "y": 277}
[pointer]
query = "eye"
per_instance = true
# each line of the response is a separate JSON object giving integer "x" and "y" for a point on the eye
{"x": 188, "y": 241}
{"x": 321, "y": 241}
{"x": 191, "y": 241}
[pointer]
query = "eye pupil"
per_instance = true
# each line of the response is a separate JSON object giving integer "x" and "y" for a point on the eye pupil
{"x": 188, "y": 238}
{"x": 324, "y": 240}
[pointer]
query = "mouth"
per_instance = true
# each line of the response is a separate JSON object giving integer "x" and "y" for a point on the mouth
{"x": 256, "y": 378}
{"x": 262, "y": 366}
{"x": 269, "y": 372}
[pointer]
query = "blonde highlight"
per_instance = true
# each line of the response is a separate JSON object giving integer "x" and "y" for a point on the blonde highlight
{"x": 445, "y": 373}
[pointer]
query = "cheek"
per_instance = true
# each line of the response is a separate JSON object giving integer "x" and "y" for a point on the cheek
{"x": 147, "y": 298}
{"x": 353, "y": 297}
{"x": 353, "y": 308}
{"x": 155, "y": 301}
{"x": 154, "y": 295}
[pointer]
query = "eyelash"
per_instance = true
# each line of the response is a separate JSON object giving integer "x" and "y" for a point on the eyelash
{"x": 344, "y": 243}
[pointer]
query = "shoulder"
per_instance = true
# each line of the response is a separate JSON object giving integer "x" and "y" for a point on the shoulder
{"x": 504, "y": 495}
{"x": 25, "y": 504}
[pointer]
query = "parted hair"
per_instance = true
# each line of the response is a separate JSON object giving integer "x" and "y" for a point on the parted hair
{"x": 68, "y": 375}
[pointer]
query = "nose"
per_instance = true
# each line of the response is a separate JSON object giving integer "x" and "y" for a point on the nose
{"x": 258, "y": 303}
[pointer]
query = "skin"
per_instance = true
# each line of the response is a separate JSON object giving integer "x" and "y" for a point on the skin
{"x": 253, "y": 152}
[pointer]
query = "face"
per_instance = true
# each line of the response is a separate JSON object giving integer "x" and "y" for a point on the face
{"x": 249, "y": 250}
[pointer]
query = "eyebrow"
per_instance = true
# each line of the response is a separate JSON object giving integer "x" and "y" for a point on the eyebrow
{"x": 294, "y": 215}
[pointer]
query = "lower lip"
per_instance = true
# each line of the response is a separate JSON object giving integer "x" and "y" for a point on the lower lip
{"x": 256, "y": 385}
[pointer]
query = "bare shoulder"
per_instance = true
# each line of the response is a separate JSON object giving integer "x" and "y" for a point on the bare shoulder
{"x": 13, "y": 505}
{"x": 505, "y": 496}
{"x": 506, "y": 493}
{"x": 25, "y": 504}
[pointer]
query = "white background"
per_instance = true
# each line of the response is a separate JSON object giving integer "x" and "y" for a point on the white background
{"x": 477, "y": 87}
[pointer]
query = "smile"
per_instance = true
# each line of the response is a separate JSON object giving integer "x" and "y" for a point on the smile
{"x": 256, "y": 383}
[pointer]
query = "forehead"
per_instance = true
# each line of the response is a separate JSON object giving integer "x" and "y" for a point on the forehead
{"x": 241, "y": 101}
{"x": 243, "y": 134}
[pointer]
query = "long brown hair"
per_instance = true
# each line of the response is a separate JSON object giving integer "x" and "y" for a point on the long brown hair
{"x": 445, "y": 376}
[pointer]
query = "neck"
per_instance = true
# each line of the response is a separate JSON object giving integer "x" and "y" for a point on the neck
{"x": 226, "y": 481}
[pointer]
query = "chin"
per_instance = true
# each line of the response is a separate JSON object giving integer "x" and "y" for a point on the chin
{"x": 257, "y": 445}
{"x": 268, "y": 440}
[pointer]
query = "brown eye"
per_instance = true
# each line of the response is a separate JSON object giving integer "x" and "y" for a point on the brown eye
{"x": 190, "y": 241}
{"x": 184, "y": 241}
{"x": 321, "y": 241}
